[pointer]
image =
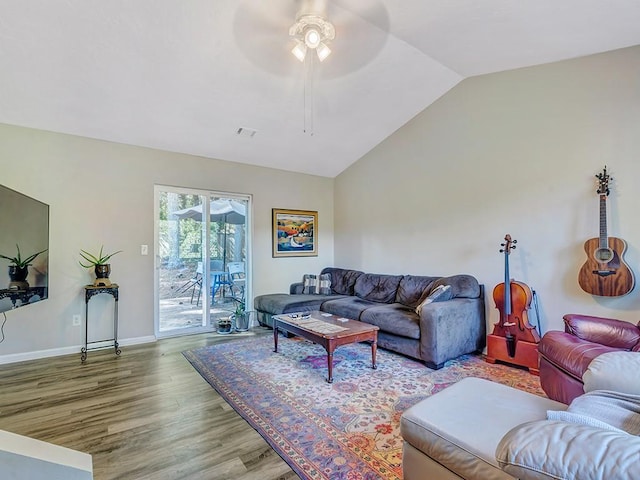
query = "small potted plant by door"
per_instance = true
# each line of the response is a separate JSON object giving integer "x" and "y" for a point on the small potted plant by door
{"x": 225, "y": 325}
{"x": 241, "y": 317}
{"x": 19, "y": 269}
{"x": 101, "y": 268}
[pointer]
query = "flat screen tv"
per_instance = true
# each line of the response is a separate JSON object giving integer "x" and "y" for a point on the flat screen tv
{"x": 24, "y": 232}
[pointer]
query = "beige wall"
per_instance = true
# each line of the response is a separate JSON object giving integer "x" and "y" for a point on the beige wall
{"x": 102, "y": 193}
{"x": 514, "y": 152}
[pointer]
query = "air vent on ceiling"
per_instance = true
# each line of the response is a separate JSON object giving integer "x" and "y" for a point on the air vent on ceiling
{"x": 246, "y": 132}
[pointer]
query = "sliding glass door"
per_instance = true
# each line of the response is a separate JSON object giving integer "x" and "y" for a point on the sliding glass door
{"x": 202, "y": 258}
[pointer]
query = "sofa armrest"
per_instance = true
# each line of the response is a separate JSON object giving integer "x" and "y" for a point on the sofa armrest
{"x": 547, "y": 449}
{"x": 605, "y": 331}
{"x": 296, "y": 288}
{"x": 451, "y": 328}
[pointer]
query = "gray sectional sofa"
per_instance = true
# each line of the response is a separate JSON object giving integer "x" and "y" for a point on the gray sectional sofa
{"x": 442, "y": 331}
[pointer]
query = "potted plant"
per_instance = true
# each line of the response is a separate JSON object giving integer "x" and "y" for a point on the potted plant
{"x": 19, "y": 269}
{"x": 225, "y": 325}
{"x": 241, "y": 317}
{"x": 100, "y": 266}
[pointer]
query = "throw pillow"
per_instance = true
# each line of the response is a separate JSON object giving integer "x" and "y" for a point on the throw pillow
{"x": 439, "y": 294}
{"x": 565, "y": 416}
{"x": 324, "y": 284}
{"x": 603, "y": 409}
{"x": 309, "y": 284}
{"x": 617, "y": 371}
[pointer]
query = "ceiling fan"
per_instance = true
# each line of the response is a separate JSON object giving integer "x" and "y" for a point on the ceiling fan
{"x": 268, "y": 32}
{"x": 312, "y": 31}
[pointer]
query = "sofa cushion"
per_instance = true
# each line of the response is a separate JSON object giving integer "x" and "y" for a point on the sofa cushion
{"x": 394, "y": 318}
{"x": 413, "y": 288}
{"x": 569, "y": 353}
{"x": 342, "y": 280}
{"x": 553, "y": 450}
{"x": 377, "y": 287}
{"x": 462, "y": 286}
{"x": 348, "y": 307}
{"x": 617, "y": 371}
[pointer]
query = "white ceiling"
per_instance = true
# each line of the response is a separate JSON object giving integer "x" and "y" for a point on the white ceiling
{"x": 184, "y": 75}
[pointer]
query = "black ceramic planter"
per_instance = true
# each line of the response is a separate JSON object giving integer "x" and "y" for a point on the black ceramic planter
{"x": 102, "y": 275}
{"x": 18, "y": 277}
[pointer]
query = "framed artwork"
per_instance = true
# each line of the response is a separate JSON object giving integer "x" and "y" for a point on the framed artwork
{"x": 294, "y": 233}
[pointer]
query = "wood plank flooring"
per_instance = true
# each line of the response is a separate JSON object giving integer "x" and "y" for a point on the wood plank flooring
{"x": 144, "y": 415}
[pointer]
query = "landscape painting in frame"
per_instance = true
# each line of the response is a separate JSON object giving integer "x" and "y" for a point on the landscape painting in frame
{"x": 295, "y": 233}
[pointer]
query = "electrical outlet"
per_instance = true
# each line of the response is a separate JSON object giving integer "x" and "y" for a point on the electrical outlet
{"x": 76, "y": 320}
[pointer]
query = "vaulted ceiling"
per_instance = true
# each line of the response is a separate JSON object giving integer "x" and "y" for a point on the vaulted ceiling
{"x": 187, "y": 75}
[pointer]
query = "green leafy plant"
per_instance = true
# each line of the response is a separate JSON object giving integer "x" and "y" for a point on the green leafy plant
{"x": 95, "y": 260}
{"x": 240, "y": 309}
{"x": 20, "y": 262}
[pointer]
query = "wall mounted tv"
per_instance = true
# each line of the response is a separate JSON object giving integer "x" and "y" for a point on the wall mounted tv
{"x": 24, "y": 232}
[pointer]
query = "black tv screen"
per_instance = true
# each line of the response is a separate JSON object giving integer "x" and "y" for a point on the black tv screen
{"x": 24, "y": 232}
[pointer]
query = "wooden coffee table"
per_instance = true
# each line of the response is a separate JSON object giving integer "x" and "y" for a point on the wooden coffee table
{"x": 327, "y": 330}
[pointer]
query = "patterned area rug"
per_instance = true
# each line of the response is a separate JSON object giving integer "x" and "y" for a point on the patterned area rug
{"x": 346, "y": 430}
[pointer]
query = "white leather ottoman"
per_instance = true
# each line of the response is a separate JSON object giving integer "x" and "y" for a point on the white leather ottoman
{"x": 27, "y": 458}
{"x": 454, "y": 433}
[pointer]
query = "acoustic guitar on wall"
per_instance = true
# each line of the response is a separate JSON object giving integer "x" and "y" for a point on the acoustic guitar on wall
{"x": 605, "y": 272}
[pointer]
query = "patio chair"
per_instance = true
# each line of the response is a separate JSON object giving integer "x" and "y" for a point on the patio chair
{"x": 237, "y": 280}
{"x": 194, "y": 283}
{"x": 215, "y": 266}
{"x": 218, "y": 277}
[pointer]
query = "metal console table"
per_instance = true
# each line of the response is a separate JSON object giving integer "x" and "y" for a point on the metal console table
{"x": 90, "y": 291}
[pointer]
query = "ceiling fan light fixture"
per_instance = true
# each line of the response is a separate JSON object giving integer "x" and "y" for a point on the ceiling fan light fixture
{"x": 311, "y": 31}
{"x": 299, "y": 51}
{"x": 323, "y": 51}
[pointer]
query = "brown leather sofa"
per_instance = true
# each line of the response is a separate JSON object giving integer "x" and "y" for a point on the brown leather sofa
{"x": 565, "y": 356}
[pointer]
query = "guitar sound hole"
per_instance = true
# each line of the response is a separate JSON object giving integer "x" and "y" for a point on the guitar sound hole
{"x": 603, "y": 255}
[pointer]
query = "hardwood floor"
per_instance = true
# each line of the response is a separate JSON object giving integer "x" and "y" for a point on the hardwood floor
{"x": 144, "y": 415}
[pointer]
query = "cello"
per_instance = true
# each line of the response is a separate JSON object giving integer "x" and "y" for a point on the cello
{"x": 514, "y": 339}
{"x": 513, "y": 303}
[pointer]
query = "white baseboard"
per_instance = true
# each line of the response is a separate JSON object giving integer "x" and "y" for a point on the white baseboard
{"x": 56, "y": 352}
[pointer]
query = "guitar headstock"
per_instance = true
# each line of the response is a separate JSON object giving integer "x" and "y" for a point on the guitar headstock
{"x": 603, "y": 182}
{"x": 508, "y": 245}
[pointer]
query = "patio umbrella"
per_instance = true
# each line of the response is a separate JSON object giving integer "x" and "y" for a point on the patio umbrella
{"x": 222, "y": 210}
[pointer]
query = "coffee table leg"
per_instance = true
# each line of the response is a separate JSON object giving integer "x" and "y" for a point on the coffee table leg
{"x": 330, "y": 365}
{"x": 275, "y": 336}
{"x": 374, "y": 349}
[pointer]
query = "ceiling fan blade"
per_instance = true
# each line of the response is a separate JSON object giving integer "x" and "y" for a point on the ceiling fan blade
{"x": 371, "y": 11}
{"x": 362, "y": 30}
{"x": 312, "y": 7}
